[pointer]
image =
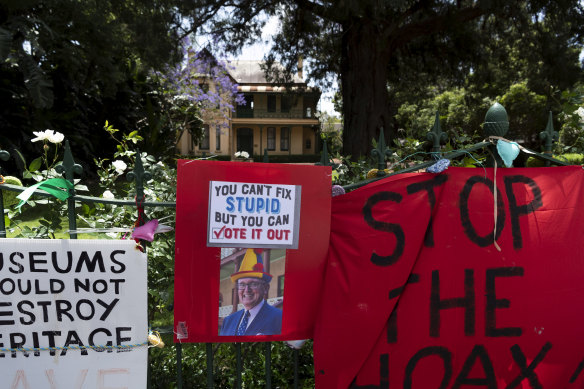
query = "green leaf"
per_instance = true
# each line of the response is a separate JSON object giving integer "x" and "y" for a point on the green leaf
{"x": 35, "y": 164}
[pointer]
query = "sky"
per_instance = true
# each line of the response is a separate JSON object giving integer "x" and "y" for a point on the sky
{"x": 256, "y": 52}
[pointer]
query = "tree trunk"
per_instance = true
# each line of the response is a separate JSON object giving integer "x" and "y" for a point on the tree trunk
{"x": 364, "y": 87}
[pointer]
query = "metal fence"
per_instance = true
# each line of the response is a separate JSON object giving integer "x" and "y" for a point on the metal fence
{"x": 139, "y": 176}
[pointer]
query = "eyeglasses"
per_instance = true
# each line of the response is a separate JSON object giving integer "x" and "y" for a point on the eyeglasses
{"x": 252, "y": 285}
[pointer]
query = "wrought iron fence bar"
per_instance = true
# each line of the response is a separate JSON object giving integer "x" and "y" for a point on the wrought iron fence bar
{"x": 90, "y": 199}
{"x": 268, "y": 363}
{"x": 2, "y": 224}
{"x": 238, "y": 365}
{"x": 209, "y": 365}
{"x": 296, "y": 352}
{"x": 179, "y": 379}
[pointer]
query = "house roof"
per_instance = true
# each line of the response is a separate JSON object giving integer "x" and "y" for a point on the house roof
{"x": 250, "y": 72}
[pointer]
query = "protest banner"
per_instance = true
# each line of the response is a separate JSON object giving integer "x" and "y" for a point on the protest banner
{"x": 72, "y": 314}
{"x": 250, "y": 223}
{"x": 253, "y": 215}
{"x": 417, "y": 294}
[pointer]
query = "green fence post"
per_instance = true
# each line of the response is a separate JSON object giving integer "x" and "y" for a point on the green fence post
{"x": 496, "y": 124}
{"x": 238, "y": 365}
{"x": 268, "y": 364}
{"x": 548, "y": 136}
{"x": 4, "y": 155}
{"x": 380, "y": 153}
{"x": 296, "y": 353}
{"x": 324, "y": 157}
{"x": 210, "y": 365}
{"x": 139, "y": 176}
{"x": 69, "y": 168}
{"x": 266, "y": 157}
{"x": 179, "y": 383}
{"x": 436, "y": 135}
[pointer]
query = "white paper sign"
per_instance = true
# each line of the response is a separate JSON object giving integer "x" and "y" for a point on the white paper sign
{"x": 60, "y": 300}
{"x": 253, "y": 215}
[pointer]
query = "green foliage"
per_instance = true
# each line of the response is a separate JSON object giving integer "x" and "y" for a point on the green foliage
{"x": 331, "y": 132}
{"x": 527, "y": 112}
{"x": 570, "y": 158}
{"x": 70, "y": 65}
{"x": 9, "y": 197}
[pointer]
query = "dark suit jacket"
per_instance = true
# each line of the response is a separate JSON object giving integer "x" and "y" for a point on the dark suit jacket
{"x": 267, "y": 322}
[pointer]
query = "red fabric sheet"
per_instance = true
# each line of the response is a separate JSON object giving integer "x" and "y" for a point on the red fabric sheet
{"x": 417, "y": 296}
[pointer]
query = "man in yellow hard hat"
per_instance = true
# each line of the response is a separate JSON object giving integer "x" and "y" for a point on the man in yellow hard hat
{"x": 257, "y": 316}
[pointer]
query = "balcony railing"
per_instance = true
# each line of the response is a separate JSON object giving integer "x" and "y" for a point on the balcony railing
{"x": 295, "y": 113}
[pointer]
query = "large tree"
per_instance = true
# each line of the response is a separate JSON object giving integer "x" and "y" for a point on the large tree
{"x": 70, "y": 65}
{"x": 377, "y": 46}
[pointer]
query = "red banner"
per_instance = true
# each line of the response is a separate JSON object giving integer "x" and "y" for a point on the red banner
{"x": 417, "y": 294}
{"x": 241, "y": 230}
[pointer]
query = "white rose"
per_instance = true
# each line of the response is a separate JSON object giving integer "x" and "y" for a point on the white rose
{"x": 108, "y": 195}
{"x": 580, "y": 112}
{"x": 42, "y": 135}
{"x": 120, "y": 166}
{"x": 57, "y": 137}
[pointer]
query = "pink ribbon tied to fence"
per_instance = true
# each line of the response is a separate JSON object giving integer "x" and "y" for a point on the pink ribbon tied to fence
{"x": 149, "y": 229}
{"x": 57, "y": 187}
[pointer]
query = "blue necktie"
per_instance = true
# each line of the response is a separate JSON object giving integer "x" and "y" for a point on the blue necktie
{"x": 243, "y": 325}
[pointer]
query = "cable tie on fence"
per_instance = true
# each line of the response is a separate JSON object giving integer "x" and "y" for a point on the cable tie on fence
{"x": 155, "y": 339}
{"x": 96, "y": 348}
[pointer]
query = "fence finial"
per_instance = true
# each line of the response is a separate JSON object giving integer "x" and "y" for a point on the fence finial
{"x": 380, "y": 153}
{"x": 139, "y": 175}
{"x": 324, "y": 157}
{"x": 4, "y": 155}
{"x": 436, "y": 135}
{"x": 266, "y": 157}
{"x": 548, "y": 136}
{"x": 69, "y": 167}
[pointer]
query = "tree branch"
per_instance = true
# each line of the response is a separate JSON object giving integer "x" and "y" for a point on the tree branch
{"x": 435, "y": 24}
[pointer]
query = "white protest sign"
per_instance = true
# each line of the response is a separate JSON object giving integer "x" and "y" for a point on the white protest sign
{"x": 253, "y": 215}
{"x": 73, "y": 314}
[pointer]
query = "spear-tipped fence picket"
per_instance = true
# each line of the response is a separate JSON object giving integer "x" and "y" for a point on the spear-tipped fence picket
{"x": 69, "y": 169}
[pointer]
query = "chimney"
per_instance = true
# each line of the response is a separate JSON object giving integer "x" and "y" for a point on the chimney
{"x": 300, "y": 74}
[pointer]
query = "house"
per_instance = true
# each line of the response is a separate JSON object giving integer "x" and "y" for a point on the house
{"x": 279, "y": 119}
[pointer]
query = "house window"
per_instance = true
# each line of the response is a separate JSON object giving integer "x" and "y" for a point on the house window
{"x": 271, "y": 103}
{"x": 271, "y": 138}
{"x": 286, "y": 103}
{"x": 204, "y": 145}
{"x": 280, "y": 286}
{"x": 284, "y": 138}
{"x": 245, "y": 110}
{"x": 308, "y": 144}
{"x": 218, "y": 138}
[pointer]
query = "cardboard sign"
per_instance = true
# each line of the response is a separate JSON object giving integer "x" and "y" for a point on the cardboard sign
{"x": 418, "y": 296}
{"x": 225, "y": 204}
{"x": 253, "y": 215}
{"x": 72, "y": 314}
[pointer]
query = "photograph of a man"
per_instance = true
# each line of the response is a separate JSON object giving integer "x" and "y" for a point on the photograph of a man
{"x": 257, "y": 316}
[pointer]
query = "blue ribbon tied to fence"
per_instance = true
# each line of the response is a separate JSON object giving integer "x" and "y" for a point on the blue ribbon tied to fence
{"x": 57, "y": 187}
